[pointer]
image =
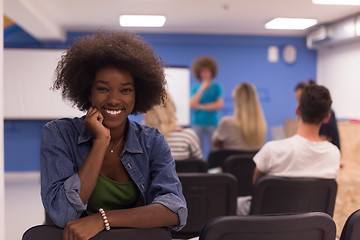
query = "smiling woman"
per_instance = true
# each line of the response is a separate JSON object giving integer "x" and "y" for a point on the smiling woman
{"x": 102, "y": 169}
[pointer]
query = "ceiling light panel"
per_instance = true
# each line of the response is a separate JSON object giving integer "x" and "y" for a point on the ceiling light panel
{"x": 142, "y": 20}
{"x": 290, "y": 23}
{"x": 337, "y": 2}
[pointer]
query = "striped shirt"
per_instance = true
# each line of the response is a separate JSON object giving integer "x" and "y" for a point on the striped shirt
{"x": 184, "y": 144}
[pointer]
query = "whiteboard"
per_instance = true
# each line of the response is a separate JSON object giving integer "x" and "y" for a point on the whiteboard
{"x": 29, "y": 74}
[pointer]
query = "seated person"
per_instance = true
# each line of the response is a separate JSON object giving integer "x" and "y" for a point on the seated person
{"x": 305, "y": 154}
{"x": 102, "y": 169}
{"x": 246, "y": 130}
{"x": 328, "y": 131}
{"x": 183, "y": 142}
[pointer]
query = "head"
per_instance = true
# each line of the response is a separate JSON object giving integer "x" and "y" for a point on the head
{"x": 248, "y": 114}
{"x": 205, "y": 67}
{"x": 314, "y": 105}
{"x": 162, "y": 117}
{"x": 121, "y": 53}
{"x": 300, "y": 86}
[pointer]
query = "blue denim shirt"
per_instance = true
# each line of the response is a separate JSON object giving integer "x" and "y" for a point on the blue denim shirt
{"x": 64, "y": 147}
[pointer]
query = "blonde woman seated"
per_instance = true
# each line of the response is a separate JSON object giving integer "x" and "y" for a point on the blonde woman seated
{"x": 246, "y": 130}
{"x": 183, "y": 142}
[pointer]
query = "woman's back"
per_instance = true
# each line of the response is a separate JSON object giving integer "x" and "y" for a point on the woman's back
{"x": 229, "y": 135}
{"x": 184, "y": 144}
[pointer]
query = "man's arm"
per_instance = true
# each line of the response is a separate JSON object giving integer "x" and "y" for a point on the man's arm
{"x": 257, "y": 174}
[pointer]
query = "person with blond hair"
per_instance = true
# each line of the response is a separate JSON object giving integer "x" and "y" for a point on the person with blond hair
{"x": 183, "y": 142}
{"x": 246, "y": 130}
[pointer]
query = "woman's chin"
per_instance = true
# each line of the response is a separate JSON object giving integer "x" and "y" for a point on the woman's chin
{"x": 113, "y": 124}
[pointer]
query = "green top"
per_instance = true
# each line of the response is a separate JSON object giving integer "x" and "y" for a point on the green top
{"x": 109, "y": 195}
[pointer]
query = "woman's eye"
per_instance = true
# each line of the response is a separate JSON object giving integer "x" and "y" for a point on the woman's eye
{"x": 102, "y": 89}
{"x": 126, "y": 90}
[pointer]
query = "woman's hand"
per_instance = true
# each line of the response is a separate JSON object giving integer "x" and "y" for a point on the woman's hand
{"x": 93, "y": 122}
{"x": 83, "y": 228}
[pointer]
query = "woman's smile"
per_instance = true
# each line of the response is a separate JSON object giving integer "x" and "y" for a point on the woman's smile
{"x": 113, "y": 113}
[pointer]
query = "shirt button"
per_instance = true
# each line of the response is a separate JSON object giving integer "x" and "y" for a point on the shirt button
{"x": 129, "y": 165}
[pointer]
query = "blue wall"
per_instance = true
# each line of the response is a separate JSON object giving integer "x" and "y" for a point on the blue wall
{"x": 240, "y": 58}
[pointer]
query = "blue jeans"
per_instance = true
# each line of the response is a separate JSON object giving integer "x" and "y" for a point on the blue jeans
{"x": 204, "y": 133}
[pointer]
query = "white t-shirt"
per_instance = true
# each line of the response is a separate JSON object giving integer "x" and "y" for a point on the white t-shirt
{"x": 298, "y": 157}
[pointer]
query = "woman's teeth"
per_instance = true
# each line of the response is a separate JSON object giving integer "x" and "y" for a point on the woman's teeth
{"x": 111, "y": 112}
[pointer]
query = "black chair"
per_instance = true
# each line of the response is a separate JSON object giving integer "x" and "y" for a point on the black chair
{"x": 47, "y": 232}
{"x": 293, "y": 195}
{"x": 309, "y": 226}
{"x": 242, "y": 167}
{"x": 207, "y": 196}
{"x": 351, "y": 229}
{"x": 191, "y": 165}
{"x": 217, "y": 157}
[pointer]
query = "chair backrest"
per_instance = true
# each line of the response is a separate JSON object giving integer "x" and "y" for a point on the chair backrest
{"x": 217, "y": 157}
{"x": 207, "y": 196}
{"x": 293, "y": 195}
{"x": 351, "y": 229}
{"x": 191, "y": 165}
{"x": 314, "y": 226}
{"x": 46, "y": 232}
{"x": 242, "y": 167}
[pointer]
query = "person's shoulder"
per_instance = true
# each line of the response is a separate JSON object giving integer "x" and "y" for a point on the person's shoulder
{"x": 189, "y": 131}
{"x": 195, "y": 86}
{"x": 66, "y": 123}
{"x": 278, "y": 145}
{"x": 143, "y": 130}
{"x": 216, "y": 85}
{"x": 227, "y": 119}
{"x": 332, "y": 147}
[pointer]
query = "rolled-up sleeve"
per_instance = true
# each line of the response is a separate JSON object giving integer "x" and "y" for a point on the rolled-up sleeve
{"x": 72, "y": 191}
{"x": 60, "y": 184}
{"x": 175, "y": 204}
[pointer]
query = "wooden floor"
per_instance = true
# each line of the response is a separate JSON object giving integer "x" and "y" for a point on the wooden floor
{"x": 348, "y": 196}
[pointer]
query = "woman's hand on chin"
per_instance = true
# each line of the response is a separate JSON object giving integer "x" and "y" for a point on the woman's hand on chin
{"x": 94, "y": 123}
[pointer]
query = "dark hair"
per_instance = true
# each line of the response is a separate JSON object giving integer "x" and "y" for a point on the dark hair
{"x": 302, "y": 85}
{"x": 75, "y": 72}
{"x": 204, "y": 62}
{"x": 315, "y": 103}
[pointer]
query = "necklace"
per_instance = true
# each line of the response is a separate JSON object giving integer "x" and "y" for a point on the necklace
{"x": 112, "y": 150}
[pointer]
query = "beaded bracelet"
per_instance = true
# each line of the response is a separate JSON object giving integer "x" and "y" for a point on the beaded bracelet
{"x": 104, "y": 217}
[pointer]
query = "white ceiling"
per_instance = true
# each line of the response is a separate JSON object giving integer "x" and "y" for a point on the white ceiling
{"x": 51, "y": 19}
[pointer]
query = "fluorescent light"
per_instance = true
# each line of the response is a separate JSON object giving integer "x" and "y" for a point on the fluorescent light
{"x": 337, "y": 2}
{"x": 290, "y": 23}
{"x": 142, "y": 20}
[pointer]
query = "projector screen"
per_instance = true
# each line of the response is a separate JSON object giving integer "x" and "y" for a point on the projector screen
{"x": 28, "y": 76}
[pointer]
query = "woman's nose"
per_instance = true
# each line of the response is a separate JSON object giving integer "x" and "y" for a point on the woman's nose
{"x": 114, "y": 97}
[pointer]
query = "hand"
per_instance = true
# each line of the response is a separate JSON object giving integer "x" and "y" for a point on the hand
{"x": 205, "y": 84}
{"x": 83, "y": 228}
{"x": 93, "y": 121}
